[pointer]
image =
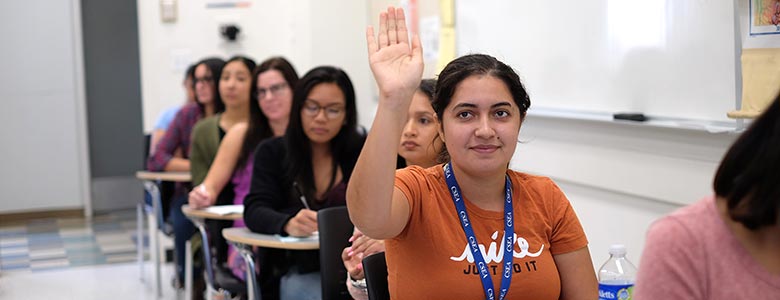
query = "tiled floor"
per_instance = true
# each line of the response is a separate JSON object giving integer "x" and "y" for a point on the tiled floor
{"x": 50, "y": 244}
{"x": 76, "y": 259}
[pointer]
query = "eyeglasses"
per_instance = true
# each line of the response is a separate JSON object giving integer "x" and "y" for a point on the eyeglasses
{"x": 206, "y": 79}
{"x": 312, "y": 109}
{"x": 274, "y": 90}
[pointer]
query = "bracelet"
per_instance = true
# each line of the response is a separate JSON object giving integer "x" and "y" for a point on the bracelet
{"x": 360, "y": 283}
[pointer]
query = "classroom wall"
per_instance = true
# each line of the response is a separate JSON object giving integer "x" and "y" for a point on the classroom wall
{"x": 43, "y": 157}
{"x": 619, "y": 177}
{"x": 305, "y": 32}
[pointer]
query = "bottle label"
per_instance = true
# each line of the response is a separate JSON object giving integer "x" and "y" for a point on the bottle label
{"x": 615, "y": 291}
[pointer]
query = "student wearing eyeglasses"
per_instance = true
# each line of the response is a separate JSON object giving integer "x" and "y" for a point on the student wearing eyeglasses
{"x": 269, "y": 113}
{"x": 234, "y": 84}
{"x": 172, "y": 153}
{"x": 313, "y": 161}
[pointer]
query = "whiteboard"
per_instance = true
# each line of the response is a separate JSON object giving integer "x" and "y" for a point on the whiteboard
{"x": 666, "y": 58}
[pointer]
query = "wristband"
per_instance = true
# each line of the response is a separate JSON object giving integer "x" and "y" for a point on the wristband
{"x": 361, "y": 283}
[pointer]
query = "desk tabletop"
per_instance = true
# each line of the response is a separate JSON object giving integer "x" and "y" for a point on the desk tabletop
{"x": 211, "y": 215}
{"x": 164, "y": 176}
{"x": 246, "y": 237}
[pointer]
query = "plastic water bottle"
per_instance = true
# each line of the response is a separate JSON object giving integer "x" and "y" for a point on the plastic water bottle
{"x": 617, "y": 275}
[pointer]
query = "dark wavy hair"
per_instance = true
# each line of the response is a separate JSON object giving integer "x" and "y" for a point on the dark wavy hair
{"x": 426, "y": 87}
{"x": 475, "y": 64}
{"x": 259, "y": 128}
{"x": 214, "y": 65}
{"x": 748, "y": 177}
{"x": 298, "y": 144}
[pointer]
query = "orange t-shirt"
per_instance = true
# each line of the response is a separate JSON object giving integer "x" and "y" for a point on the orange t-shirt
{"x": 430, "y": 258}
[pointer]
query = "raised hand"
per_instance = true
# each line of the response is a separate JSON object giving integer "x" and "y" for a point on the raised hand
{"x": 396, "y": 66}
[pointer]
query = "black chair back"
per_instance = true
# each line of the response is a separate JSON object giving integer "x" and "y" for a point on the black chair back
{"x": 335, "y": 229}
{"x": 375, "y": 269}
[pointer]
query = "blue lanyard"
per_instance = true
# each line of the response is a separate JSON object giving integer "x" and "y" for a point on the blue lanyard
{"x": 509, "y": 230}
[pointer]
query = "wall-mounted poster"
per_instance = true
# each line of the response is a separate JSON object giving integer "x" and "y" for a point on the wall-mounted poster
{"x": 764, "y": 17}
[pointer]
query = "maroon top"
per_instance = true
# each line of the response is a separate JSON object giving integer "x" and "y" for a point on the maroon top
{"x": 176, "y": 137}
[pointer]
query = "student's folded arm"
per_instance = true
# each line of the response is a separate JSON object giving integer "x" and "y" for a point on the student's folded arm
{"x": 157, "y": 135}
{"x": 162, "y": 158}
{"x": 263, "y": 205}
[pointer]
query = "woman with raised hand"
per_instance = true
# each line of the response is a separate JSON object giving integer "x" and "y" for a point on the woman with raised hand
{"x": 508, "y": 235}
{"x": 305, "y": 170}
{"x": 269, "y": 112}
{"x": 420, "y": 146}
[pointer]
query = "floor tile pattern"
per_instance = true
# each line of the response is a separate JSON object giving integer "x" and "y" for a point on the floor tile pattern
{"x": 51, "y": 244}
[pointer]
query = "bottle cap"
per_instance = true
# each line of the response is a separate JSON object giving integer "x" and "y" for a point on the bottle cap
{"x": 617, "y": 249}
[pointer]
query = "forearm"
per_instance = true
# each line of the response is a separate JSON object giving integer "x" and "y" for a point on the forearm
{"x": 177, "y": 164}
{"x": 262, "y": 219}
{"x": 370, "y": 190}
{"x": 224, "y": 165}
{"x": 157, "y": 135}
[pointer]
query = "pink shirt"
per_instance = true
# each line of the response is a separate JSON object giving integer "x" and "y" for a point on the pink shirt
{"x": 692, "y": 254}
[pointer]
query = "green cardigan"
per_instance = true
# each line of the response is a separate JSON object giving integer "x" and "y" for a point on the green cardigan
{"x": 205, "y": 143}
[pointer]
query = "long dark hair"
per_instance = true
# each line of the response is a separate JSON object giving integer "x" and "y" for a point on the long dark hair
{"x": 298, "y": 144}
{"x": 215, "y": 66}
{"x": 259, "y": 128}
{"x": 475, "y": 64}
{"x": 748, "y": 177}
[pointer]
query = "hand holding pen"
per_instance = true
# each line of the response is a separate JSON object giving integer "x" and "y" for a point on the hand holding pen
{"x": 304, "y": 223}
{"x": 300, "y": 195}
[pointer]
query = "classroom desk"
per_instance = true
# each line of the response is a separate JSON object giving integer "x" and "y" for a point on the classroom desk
{"x": 199, "y": 217}
{"x": 149, "y": 179}
{"x": 244, "y": 240}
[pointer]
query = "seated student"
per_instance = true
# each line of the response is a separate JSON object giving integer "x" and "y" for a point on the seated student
{"x": 177, "y": 140}
{"x": 313, "y": 161}
{"x": 511, "y": 235}
{"x": 234, "y": 86}
{"x": 269, "y": 112}
{"x": 166, "y": 117}
{"x": 727, "y": 245}
{"x": 420, "y": 146}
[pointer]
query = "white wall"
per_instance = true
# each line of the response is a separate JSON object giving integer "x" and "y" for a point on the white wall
{"x": 308, "y": 33}
{"x": 43, "y": 160}
{"x": 620, "y": 177}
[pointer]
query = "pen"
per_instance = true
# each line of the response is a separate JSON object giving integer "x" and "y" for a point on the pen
{"x": 300, "y": 195}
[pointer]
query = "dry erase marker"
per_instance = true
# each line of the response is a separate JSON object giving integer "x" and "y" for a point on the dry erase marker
{"x": 300, "y": 195}
{"x": 637, "y": 117}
